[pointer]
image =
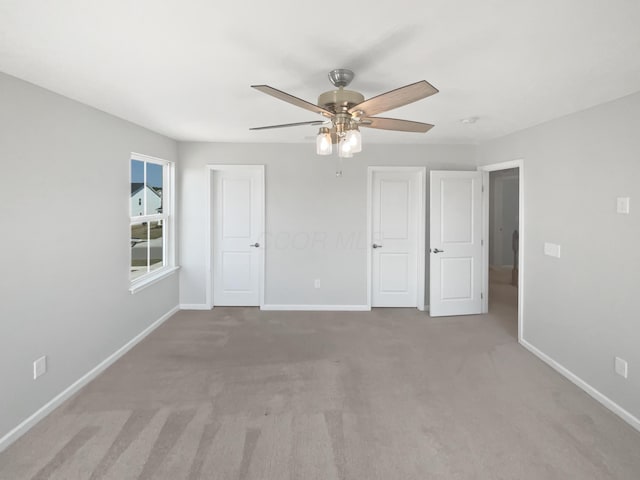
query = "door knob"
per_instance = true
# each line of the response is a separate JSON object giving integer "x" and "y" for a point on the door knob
{"x": 435, "y": 250}
{"x": 255, "y": 245}
{"x": 375, "y": 245}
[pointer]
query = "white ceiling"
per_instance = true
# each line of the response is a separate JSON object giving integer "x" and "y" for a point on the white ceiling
{"x": 183, "y": 67}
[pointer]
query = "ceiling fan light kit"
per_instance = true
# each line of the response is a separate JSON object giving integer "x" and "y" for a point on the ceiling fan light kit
{"x": 347, "y": 110}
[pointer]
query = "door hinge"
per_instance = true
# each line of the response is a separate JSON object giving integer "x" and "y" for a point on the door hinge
{"x": 481, "y": 296}
{"x": 482, "y": 188}
{"x": 482, "y": 242}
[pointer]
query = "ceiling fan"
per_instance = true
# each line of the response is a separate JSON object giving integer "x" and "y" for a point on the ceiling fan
{"x": 345, "y": 111}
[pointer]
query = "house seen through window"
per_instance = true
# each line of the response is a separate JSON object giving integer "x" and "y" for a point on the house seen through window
{"x": 150, "y": 218}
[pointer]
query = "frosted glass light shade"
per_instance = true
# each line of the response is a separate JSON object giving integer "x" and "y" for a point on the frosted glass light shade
{"x": 354, "y": 139}
{"x": 345, "y": 149}
{"x": 323, "y": 142}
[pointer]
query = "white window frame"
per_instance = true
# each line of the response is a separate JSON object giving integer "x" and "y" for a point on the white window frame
{"x": 168, "y": 223}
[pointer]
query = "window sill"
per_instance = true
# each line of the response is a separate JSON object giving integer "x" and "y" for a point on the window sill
{"x": 152, "y": 278}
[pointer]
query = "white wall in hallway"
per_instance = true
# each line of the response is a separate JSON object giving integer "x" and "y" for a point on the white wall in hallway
{"x": 582, "y": 309}
{"x": 316, "y": 223}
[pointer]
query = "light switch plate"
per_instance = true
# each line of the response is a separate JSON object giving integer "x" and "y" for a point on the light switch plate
{"x": 621, "y": 367}
{"x": 552, "y": 249}
{"x": 39, "y": 367}
{"x": 622, "y": 205}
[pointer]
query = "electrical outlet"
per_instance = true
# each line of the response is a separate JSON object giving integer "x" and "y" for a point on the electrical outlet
{"x": 622, "y": 205}
{"x": 621, "y": 367}
{"x": 552, "y": 249}
{"x": 39, "y": 367}
{"x": 316, "y": 283}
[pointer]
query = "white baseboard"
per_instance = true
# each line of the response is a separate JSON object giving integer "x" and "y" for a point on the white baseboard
{"x": 319, "y": 308}
{"x": 194, "y": 306}
{"x": 600, "y": 397}
{"x": 56, "y": 401}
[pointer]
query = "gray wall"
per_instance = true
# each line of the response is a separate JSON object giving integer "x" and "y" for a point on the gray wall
{"x": 308, "y": 211}
{"x": 582, "y": 309}
{"x": 64, "y": 220}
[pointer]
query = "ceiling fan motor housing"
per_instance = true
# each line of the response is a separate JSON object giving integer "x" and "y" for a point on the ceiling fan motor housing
{"x": 340, "y": 100}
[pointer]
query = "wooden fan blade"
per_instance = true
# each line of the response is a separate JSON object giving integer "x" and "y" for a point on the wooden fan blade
{"x": 395, "y": 124}
{"x": 284, "y": 125}
{"x": 298, "y": 102}
{"x": 395, "y": 98}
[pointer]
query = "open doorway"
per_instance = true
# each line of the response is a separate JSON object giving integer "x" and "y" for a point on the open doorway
{"x": 503, "y": 224}
{"x": 504, "y": 245}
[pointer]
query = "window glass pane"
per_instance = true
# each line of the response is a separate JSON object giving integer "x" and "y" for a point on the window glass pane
{"x": 139, "y": 249}
{"x": 156, "y": 256}
{"x": 137, "y": 188}
{"x": 147, "y": 238}
{"x": 153, "y": 191}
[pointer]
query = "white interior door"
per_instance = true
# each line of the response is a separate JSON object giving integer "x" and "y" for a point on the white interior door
{"x": 395, "y": 238}
{"x": 455, "y": 243}
{"x": 237, "y": 232}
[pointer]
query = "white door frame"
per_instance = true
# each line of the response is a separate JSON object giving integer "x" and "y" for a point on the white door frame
{"x": 486, "y": 169}
{"x": 421, "y": 209}
{"x": 209, "y": 257}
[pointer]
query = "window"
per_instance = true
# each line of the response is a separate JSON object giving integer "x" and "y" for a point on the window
{"x": 151, "y": 212}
